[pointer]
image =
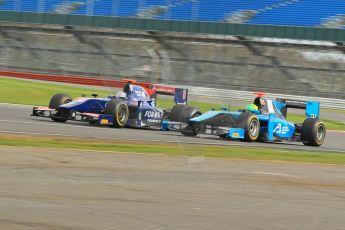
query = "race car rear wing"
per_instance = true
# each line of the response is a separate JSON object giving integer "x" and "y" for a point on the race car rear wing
{"x": 312, "y": 108}
{"x": 180, "y": 95}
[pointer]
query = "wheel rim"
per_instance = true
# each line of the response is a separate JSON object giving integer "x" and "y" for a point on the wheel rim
{"x": 254, "y": 127}
{"x": 122, "y": 114}
{"x": 320, "y": 133}
{"x": 67, "y": 101}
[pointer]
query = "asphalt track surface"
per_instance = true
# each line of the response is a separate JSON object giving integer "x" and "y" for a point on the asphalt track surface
{"x": 75, "y": 189}
{"x": 17, "y": 119}
{"x": 65, "y": 189}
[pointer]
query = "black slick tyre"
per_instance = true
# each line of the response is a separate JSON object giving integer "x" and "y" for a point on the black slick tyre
{"x": 57, "y": 100}
{"x": 119, "y": 109}
{"x": 251, "y": 125}
{"x": 175, "y": 112}
{"x": 313, "y": 132}
{"x": 183, "y": 113}
{"x": 193, "y": 128}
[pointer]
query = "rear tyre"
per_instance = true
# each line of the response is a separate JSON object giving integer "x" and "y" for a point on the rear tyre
{"x": 183, "y": 113}
{"x": 313, "y": 132}
{"x": 193, "y": 128}
{"x": 57, "y": 100}
{"x": 119, "y": 109}
{"x": 175, "y": 112}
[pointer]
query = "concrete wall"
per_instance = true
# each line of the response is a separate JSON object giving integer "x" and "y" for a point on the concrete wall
{"x": 290, "y": 69}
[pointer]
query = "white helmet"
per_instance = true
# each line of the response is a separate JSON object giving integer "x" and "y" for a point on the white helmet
{"x": 121, "y": 94}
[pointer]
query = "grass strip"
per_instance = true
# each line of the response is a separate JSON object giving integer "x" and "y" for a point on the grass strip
{"x": 178, "y": 149}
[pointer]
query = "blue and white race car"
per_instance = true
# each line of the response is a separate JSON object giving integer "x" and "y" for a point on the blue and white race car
{"x": 135, "y": 106}
{"x": 264, "y": 120}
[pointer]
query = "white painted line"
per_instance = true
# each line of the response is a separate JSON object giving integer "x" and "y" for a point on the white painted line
{"x": 47, "y": 123}
{"x": 32, "y": 133}
{"x": 16, "y": 105}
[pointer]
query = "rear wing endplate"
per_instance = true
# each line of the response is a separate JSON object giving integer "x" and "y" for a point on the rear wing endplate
{"x": 180, "y": 95}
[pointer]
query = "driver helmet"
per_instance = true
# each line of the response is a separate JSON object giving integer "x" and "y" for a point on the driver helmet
{"x": 121, "y": 94}
{"x": 259, "y": 102}
{"x": 127, "y": 88}
{"x": 252, "y": 107}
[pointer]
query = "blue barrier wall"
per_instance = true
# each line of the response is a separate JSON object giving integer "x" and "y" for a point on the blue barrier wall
{"x": 267, "y": 12}
{"x": 288, "y": 32}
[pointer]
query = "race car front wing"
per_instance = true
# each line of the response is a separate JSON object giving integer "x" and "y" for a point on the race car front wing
{"x": 100, "y": 119}
{"x": 235, "y": 133}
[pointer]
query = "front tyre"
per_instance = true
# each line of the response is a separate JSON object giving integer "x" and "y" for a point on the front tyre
{"x": 252, "y": 128}
{"x": 54, "y": 103}
{"x": 119, "y": 109}
{"x": 313, "y": 132}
